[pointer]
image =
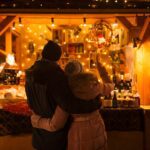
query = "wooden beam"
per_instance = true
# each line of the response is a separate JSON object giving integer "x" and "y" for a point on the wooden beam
{"x": 146, "y": 23}
{"x": 125, "y": 22}
{"x": 5, "y": 24}
{"x": 3, "y": 52}
{"x": 140, "y": 20}
{"x": 16, "y": 33}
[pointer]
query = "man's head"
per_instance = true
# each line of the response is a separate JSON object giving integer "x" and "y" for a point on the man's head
{"x": 51, "y": 51}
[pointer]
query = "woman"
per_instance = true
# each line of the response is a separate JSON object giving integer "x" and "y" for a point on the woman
{"x": 87, "y": 131}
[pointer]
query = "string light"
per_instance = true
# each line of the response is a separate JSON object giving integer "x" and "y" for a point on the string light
{"x": 125, "y": 1}
{"x": 107, "y": 1}
{"x": 52, "y": 22}
{"x": 20, "y": 22}
{"x": 84, "y": 22}
{"x": 14, "y": 26}
{"x": 116, "y": 1}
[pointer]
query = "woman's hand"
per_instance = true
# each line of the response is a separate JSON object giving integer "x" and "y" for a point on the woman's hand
{"x": 35, "y": 120}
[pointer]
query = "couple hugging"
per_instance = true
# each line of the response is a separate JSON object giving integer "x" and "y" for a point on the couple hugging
{"x": 65, "y": 104}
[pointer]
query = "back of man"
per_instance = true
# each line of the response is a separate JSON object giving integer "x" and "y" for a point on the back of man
{"x": 40, "y": 81}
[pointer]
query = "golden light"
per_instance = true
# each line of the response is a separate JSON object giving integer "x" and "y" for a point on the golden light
{"x": 10, "y": 59}
{"x": 77, "y": 36}
{"x": 87, "y": 70}
{"x": 28, "y": 51}
{"x": 84, "y": 22}
{"x": 22, "y": 64}
{"x": 19, "y": 73}
{"x": 104, "y": 63}
{"x": 115, "y": 24}
{"x": 14, "y": 27}
{"x": 52, "y": 22}
{"x": 20, "y": 22}
{"x": 79, "y": 56}
{"x": 89, "y": 46}
{"x": 83, "y": 64}
{"x": 28, "y": 59}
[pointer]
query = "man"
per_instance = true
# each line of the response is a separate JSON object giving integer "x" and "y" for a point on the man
{"x": 47, "y": 87}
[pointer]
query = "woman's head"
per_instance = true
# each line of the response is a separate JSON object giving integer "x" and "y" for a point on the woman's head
{"x": 84, "y": 85}
{"x": 73, "y": 67}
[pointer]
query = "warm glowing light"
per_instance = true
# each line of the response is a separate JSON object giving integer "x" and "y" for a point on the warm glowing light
{"x": 104, "y": 63}
{"x": 83, "y": 64}
{"x": 39, "y": 26}
{"x": 87, "y": 70}
{"x": 77, "y": 36}
{"x": 115, "y": 24}
{"x": 64, "y": 31}
{"x": 20, "y": 22}
{"x": 52, "y": 22}
{"x": 22, "y": 64}
{"x": 125, "y": 1}
{"x": 28, "y": 51}
{"x": 84, "y": 22}
{"x": 14, "y": 27}
{"x": 25, "y": 46}
{"x": 79, "y": 56}
{"x": 10, "y": 59}
{"x": 110, "y": 67}
{"x": 89, "y": 46}
{"x": 19, "y": 73}
{"x": 28, "y": 59}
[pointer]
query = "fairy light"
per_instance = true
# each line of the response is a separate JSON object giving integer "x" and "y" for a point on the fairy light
{"x": 125, "y": 1}
{"x": 104, "y": 63}
{"x": 87, "y": 70}
{"x": 115, "y": 24}
{"x": 89, "y": 46}
{"x": 79, "y": 56}
{"x": 84, "y": 22}
{"x": 52, "y": 22}
{"x": 28, "y": 59}
{"x": 28, "y": 51}
{"x": 10, "y": 59}
{"x": 116, "y": 1}
{"x": 14, "y": 26}
{"x": 39, "y": 26}
{"x": 107, "y": 1}
{"x": 22, "y": 64}
{"x": 83, "y": 64}
{"x": 20, "y": 22}
{"x": 77, "y": 36}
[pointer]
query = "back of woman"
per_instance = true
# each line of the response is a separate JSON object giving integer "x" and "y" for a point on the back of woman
{"x": 87, "y": 131}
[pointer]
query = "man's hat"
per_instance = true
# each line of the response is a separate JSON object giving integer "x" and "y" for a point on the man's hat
{"x": 51, "y": 51}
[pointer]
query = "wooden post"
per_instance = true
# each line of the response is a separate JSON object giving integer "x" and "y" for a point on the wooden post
{"x": 8, "y": 41}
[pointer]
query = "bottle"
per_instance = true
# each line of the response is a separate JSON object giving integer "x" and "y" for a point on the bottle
{"x": 114, "y": 100}
{"x": 121, "y": 83}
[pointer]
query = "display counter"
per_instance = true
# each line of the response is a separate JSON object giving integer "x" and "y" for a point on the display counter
{"x": 125, "y": 126}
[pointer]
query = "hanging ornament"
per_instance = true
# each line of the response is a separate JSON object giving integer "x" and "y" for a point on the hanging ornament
{"x": 100, "y": 34}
